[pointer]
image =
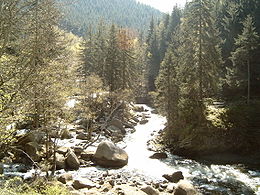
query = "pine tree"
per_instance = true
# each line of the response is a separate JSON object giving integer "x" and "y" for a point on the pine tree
{"x": 230, "y": 16}
{"x": 174, "y": 22}
{"x": 200, "y": 58}
{"x": 246, "y": 44}
{"x": 168, "y": 87}
{"x": 153, "y": 57}
{"x": 163, "y": 39}
{"x": 89, "y": 53}
{"x": 127, "y": 60}
{"x": 112, "y": 60}
{"x": 100, "y": 49}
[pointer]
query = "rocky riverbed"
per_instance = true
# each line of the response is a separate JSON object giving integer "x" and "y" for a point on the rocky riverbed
{"x": 145, "y": 170}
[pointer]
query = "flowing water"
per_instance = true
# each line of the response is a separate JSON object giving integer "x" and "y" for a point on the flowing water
{"x": 208, "y": 178}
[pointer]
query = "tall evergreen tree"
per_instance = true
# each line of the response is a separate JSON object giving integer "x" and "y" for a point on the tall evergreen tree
{"x": 167, "y": 85}
{"x": 246, "y": 44}
{"x": 112, "y": 59}
{"x": 153, "y": 57}
{"x": 200, "y": 57}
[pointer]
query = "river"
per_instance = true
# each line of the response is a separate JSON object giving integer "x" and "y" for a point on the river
{"x": 208, "y": 178}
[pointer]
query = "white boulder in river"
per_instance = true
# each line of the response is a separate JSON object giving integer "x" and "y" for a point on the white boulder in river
{"x": 109, "y": 155}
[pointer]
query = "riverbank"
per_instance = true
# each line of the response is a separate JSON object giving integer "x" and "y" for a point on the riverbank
{"x": 230, "y": 135}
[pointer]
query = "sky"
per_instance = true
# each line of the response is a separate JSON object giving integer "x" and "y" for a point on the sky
{"x": 163, "y": 5}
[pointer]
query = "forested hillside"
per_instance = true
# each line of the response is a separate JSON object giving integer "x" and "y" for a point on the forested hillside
{"x": 80, "y": 14}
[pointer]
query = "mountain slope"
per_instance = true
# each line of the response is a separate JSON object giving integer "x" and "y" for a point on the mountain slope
{"x": 78, "y": 14}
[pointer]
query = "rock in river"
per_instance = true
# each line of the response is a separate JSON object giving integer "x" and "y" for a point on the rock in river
{"x": 175, "y": 177}
{"x": 144, "y": 121}
{"x": 109, "y": 155}
{"x": 159, "y": 155}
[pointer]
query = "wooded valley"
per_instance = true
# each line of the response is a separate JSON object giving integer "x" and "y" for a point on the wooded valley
{"x": 198, "y": 67}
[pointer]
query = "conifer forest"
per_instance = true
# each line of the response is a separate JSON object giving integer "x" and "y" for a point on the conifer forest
{"x": 117, "y": 97}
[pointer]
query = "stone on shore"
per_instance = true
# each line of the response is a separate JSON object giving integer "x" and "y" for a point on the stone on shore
{"x": 64, "y": 178}
{"x": 83, "y": 183}
{"x": 150, "y": 190}
{"x": 185, "y": 188}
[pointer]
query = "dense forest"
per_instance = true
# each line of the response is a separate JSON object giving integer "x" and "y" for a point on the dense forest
{"x": 198, "y": 67}
{"x": 207, "y": 78}
{"x": 79, "y": 15}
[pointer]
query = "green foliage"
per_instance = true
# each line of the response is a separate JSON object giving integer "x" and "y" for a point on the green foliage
{"x": 16, "y": 186}
{"x": 158, "y": 40}
{"x": 55, "y": 190}
{"x": 189, "y": 71}
{"x": 111, "y": 55}
{"x": 230, "y": 18}
{"x": 241, "y": 116}
{"x": 93, "y": 100}
{"x": 239, "y": 76}
{"x": 80, "y": 15}
{"x": 37, "y": 66}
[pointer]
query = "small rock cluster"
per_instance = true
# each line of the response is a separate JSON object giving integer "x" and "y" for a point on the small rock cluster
{"x": 126, "y": 184}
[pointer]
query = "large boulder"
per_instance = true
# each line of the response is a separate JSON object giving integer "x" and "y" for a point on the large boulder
{"x": 175, "y": 177}
{"x": 185, "y": 188}
{"x": 109, "y": 155}
{"x": 126, "y": 190}
{"x": 71, "y": 160}
{"x": 116, "y": 124}
{"x": 89, "y": 192}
